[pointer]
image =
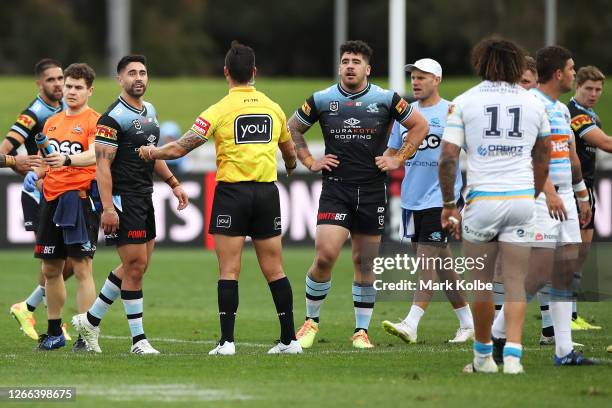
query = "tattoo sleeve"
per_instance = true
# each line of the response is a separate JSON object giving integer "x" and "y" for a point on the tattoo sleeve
{"x": 298, "y": 129}
{"x": 190, "y": 140}
{"x": 449, "y": 158}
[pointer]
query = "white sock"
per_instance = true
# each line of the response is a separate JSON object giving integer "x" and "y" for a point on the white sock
{"x": 499, "y": 326}
{"x": 561, "y": 313}
{"x": 414, "y": 316}
{"x": 464, "y": 314}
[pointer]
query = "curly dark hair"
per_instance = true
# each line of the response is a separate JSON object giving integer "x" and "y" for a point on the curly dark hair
{"x": 496, "y": 59}
{"x": 81, "y": 70}
{"x": 357, "y": 47}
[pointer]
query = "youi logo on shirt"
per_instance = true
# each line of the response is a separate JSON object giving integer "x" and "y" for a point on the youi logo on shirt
{"x": 253, "y": 129}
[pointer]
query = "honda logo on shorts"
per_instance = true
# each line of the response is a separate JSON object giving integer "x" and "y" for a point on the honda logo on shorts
{"x": 224, "y": 221}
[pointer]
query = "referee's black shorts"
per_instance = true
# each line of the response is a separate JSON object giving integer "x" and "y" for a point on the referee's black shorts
{"x": 247, "y": 208}
{"x": 31, "y": 212}
{"x": 592, "y": 201}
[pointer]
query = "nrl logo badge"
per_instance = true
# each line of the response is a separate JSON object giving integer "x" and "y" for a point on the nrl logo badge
{"x": 334, "y": 105}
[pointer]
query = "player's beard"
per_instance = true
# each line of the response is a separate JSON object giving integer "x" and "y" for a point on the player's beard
{"x": 136, "y": 93}
{"x": 53, "y": 94}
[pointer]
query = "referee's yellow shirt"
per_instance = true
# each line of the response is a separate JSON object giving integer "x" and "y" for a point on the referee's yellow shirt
{"x": 247, "y": 127}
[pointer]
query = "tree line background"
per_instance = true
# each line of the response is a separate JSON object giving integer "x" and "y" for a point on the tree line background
{"x": 291, "y": 38}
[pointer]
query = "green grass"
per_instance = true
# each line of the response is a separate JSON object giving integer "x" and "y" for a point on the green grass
{"x": 182, "y": 99}
{"x": 180, "y": 304}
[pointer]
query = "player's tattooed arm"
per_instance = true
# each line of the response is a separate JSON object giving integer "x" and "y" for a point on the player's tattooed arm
{"x": 170, "y": 151}
{"x": 298, "y": 129}
{"x": 105, "y": 155}
{"x": 449, "y": 160}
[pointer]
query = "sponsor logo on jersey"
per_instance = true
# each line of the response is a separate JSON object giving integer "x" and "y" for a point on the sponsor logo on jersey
{"x": 334, "y": 106}
{"x": 500, "y": 150}
{"x": 541, "y": 237}
{"x": 401, "y": 106}
{"x": 478, "y": 234}
{"x": 151, "y": 139}
{"x": 224, "y": 221}
{"x": 451, "y": 108}
{"x": 580, "y": 121}
{"x": 352, "y": 122}
{"x": 66, "y": 147}
{"x": 106, "y": 132}
{"x": 434, "y": 122}
{"x": 306, "y": 108}
{"x": 430, "y": 142}
{"x": 372, "y": 108}
{"x": 253, "y": 129}
{"x": 331, "y": 216}
{"x": 26, "y": 121}
{"x": 435, "y": 236}
{"x": 201, "y": 126}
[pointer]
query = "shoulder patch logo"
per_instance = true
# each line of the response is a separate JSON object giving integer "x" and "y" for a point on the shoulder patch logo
{"x": 451, "y": 108}
{"x": 26, "y": 121}
{"x": 401, "y": 106}
{"x": 106, "y": 132}
{"x": 201, "y": 126}
{"x": 580, "y": 121}
{"x": 306, "y": 108}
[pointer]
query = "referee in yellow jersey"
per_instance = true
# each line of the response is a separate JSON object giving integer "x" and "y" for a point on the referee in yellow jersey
{"x": 247, "y": 128}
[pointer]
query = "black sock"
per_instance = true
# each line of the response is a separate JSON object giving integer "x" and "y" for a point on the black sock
{"x": 498, "y": 307}
{"x": 574, "y": 315}
{"x": 548, "y": 331}
{"x": 316, "y": 319}
{"x": 54, "y": 327}
{"x": 30, "y": 307}
{"x": 283, "y": 300}
{"x": 227, "y": 299}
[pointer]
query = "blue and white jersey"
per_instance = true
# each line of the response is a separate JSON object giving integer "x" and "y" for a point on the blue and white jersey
{"x": 561, "y": 135}
{"x": 420, "y": 187}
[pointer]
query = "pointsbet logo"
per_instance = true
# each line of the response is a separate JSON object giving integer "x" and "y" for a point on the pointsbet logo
{"x": 411, "y": 264}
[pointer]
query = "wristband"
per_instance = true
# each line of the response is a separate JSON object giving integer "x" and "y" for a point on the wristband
{"x": 10, "y": 161}
{"x": 308, "y": 162}
{"x": 449, "y": 204}
{"x": 171, "y": 183}
{"x": 579, "y": 186}
{"x": 583, "y": 199}
{"x": 291, "y": 167}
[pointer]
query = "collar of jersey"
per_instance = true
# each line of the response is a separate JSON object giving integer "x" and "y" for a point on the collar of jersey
{"x": 130, "y": 107}
{"x": 52, "y": 108}
{"x": 579, "y": 106}
{"x": 548, "y": 98}
{"x": 354, "y": 95}
{"x": 247, "y": 88}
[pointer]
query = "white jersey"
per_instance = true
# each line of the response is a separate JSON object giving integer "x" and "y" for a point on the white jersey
{"x": 497, "y": 123}
{"x": 561, "y": 135}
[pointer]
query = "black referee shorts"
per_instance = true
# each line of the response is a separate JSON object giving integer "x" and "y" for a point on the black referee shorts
{"x": 247, "y": 208}
{"x": 360, "y": 209}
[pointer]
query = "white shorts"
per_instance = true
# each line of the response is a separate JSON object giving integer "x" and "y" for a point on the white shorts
{"x": 551, "y": 233}
{"x": 508, "y": 220}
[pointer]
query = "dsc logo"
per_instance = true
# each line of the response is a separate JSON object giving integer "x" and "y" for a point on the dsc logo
{"x": 66, "y": 147}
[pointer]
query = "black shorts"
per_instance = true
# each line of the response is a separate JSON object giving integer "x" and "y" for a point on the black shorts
{"x": 50, "y": 238}
{"x": 247, "y": 208}
{"x": 136, "y": 220}
{"x": 424, "y": 226}
{"x": 31, "y": 212}
{"x": 360, "y": 209}
{"x": 592, "y": 200}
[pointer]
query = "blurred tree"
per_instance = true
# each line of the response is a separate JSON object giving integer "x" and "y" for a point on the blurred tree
{"x": 291, "y": 38}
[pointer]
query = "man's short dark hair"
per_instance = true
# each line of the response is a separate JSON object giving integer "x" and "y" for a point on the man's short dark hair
{"x": 357, "y": 47}
{"x": 549, "y": 60}
{"x": 44, "y": 64}
{"x": 240, "y": 61}
{"x": 496, "y": 59}
{"x": 123, "y": 62}
{"x": 530, "y": 64}
{"x": 81, "y": 70}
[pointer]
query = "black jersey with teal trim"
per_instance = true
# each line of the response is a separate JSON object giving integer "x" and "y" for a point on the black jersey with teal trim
{"x": 355, "y": 127}
{"x": 127, "y": 128}
{"x": 584, "y": 120}
{"x": 32, "y": 121}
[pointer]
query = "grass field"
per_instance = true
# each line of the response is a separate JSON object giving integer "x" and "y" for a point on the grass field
{"x": 181, "y": 321}
{"x": 182, "y": 99}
